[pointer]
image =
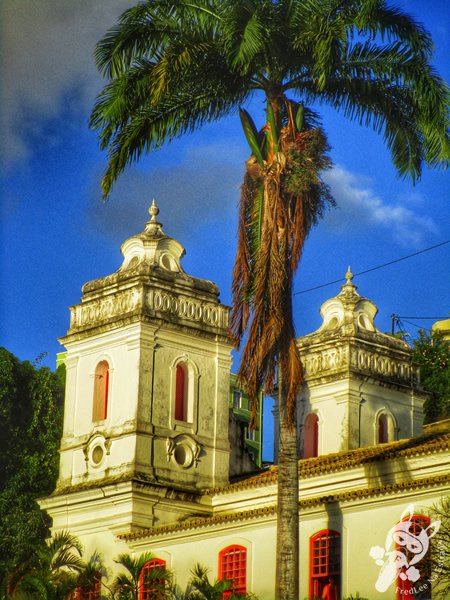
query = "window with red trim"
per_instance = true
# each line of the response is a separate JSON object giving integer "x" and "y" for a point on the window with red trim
{"x": 101, "y": 390}
{"x": 311, "y": 436}
{"x": 383, "y": 435}
{"x": 233, "y": 566}
{"x": 325, "y": 565}
{"x": 151, "y": 584}
{"x": 181, "y": 393}
{"x": 410, "y": 537}
{"x": 90, "y": 591}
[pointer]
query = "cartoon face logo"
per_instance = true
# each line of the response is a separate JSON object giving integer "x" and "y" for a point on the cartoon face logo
{"x": 405, "y": 546}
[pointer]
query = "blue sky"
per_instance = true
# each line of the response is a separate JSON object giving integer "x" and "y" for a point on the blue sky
{"x": 56, "y": 234}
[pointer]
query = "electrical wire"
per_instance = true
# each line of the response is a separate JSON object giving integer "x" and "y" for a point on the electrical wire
{"x": 374, "y": 269}
{"x": 423, "y": 318}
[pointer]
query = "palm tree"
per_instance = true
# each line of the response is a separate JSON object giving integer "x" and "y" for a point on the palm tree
{"x": 52, "y": 573}
{"x": 128, "y": 584}
{"x": 174, "y": 65}
{"x": 200, "y": 588}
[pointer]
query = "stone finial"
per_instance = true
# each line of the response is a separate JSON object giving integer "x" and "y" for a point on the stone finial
{"x": 348, "y": 290}
{"x": 154, "y": 227}
{"x": 349, "y": 275}
{"x": 153, "y": 211}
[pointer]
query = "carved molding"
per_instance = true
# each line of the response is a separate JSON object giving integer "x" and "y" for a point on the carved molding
{"x": 187, "y": 308}
{"x": 325, "y": 361}
{"x": 96, "y": 311}
{"x": 329, "y": 360}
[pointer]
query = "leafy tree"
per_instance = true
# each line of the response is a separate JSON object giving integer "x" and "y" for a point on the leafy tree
{"x": 432, "y": 353}
{"x": 440, "y": 554}
{"x": 175, "y": 65}
{"x": 31, "y": 411}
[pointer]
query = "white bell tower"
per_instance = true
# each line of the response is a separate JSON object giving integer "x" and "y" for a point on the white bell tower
{"x": 361, "y": 387}
{"x": 146, "y": 408}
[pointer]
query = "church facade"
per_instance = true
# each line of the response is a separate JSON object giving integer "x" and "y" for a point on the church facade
{"x": 148, "y": 462}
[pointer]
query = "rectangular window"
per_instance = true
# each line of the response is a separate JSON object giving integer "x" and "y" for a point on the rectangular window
{"x": 152, "y": 580}
{"x": 410, "y": 531}
{"x": 325, "y": 565}
{"x": 233, "y": 566}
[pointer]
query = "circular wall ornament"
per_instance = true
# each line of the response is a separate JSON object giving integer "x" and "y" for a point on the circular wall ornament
{"x": 183, "y": 450}
{"x": 183, "y": 456}
{"x": 97, "y": 454}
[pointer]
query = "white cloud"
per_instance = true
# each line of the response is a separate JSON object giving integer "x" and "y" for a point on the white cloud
{"x": 359, "y": 208}
{"x": 46, "y": 51}
{"x": 202, "y": 188}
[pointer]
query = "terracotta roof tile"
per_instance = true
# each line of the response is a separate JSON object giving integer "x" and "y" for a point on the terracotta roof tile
{"x": 347, "y": 459}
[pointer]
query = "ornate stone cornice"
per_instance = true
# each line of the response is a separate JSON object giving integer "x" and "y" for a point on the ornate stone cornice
{"x": 332, "y": 357}
{"x": 150, "y": 301}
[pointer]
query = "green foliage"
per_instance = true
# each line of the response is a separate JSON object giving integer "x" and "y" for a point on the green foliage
{"x": 432, "y": 354}
{"x": 440, "y": 555}
{"x": 127, "y": 584}
{"x": 200, "y": 588}
{"x": 31, "y": 411}
{"x": 174, "y": 66}
{"x": 50, "y": 571}
{"x": 355, "y": 597}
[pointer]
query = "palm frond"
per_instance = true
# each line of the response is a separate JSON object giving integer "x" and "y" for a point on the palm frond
{"x": 149, "y": 127}
{"x": 244, "y": 33}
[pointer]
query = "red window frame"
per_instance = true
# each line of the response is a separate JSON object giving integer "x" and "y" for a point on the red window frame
{"x": 101, "y": 391}
{"x": 324, "y": 561}
{"x": 233, "y": 566}
{"x": 180, "y": 392}
{"x": 91, "y": 591}
{"x": 146, "y": 589}
{"x": 311, "y": 436}
{"x": 405, "y": 588}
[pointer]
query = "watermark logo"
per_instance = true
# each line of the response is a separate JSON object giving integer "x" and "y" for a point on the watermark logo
{"x": 406, "y": 545}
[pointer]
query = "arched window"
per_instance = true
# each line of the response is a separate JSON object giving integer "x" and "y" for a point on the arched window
{"x": 325, "y": 563}
{"x": 413, "y": 540}
{"x": 311, "y": 436}
{"x": 385, "y": 429}
{"x": 152, "y": 580}
{"x": 181, "y": 392}
{"x": 91, "y": 591}
{"x": 233, "y": 566}
{"x": 101, "y": 390}
{"x": 184, "y": 391}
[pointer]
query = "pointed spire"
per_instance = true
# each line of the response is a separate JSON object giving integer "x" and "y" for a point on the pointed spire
{"x": 153, "y": 211}
{"x": 154, "y": 227}
{"x": 349, "y": 275}
{"x": 348, "y": 290}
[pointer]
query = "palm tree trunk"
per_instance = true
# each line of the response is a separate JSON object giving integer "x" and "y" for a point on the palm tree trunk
{"x": 287, "y": 556}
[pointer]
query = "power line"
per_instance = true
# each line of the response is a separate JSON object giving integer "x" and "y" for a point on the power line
{"x": 391, "y": 262}
{"x": 414, "y": 325}
{"x": 423, "y": 318}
